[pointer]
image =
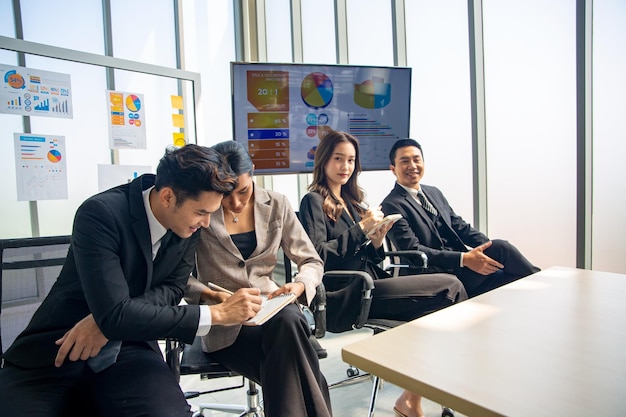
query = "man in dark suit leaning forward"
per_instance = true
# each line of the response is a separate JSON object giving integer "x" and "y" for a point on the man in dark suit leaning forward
{"x": 429, "y": 224}
{"x": 131, "y": 253}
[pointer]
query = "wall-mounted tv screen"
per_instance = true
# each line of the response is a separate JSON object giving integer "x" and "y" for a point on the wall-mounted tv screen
{"x": 281, "y": 111}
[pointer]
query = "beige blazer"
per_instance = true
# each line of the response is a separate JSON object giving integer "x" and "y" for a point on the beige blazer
{"x": 220, "y": 262}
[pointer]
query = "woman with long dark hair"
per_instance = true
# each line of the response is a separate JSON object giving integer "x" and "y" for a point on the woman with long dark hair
{"x": 344, "y": 233}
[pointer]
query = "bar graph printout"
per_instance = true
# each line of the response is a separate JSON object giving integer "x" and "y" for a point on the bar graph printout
{"x": 32, "y": 92}
{"x": 40, "y": 164}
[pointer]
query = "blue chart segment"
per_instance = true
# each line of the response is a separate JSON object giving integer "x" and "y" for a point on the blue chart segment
{"x": 317, "y": 90}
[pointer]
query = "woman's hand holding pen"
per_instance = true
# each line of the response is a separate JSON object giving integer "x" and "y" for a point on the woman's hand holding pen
{"x": 378, "y": 236}
{"x": 370, "y": 218}
{"x": 237, "y": 308}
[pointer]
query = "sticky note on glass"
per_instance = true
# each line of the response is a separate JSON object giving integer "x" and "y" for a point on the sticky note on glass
{"x": 177, "y": 102}
{"x": 178, "y": 120}
{"x": 179, "y": 139}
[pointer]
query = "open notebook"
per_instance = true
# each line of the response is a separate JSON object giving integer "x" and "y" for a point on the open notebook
{"x": 270, "y": 307}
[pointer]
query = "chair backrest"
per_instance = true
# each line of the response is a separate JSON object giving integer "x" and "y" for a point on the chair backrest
{"x": 318, "y": 306}
{"x": 30, "y": 266}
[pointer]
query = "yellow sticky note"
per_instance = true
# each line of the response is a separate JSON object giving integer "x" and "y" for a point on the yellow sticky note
{"x": 178, "y": 120}
{"x": 177, "y": 102}
{"x": 179, "y": 139}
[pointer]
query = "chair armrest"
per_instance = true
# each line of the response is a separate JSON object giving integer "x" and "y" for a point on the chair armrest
{"x": 173, "y": 349}
{"x": 319, "y": 311}
{"x": 367, "y": 285}
{"x": 413, "y": 253}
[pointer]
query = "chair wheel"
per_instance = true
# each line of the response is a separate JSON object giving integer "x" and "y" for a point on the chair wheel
{"x": 447, "y": 412}
{"x": 352, "y": 371}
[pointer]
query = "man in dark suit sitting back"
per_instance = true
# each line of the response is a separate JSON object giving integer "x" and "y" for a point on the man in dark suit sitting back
{"x": 429, "y": 224}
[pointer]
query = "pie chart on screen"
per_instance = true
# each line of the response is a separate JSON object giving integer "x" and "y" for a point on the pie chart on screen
{"x": 317, "y": 90}
{"x": 133, "y": 103}
{"x": 54, "y": 156}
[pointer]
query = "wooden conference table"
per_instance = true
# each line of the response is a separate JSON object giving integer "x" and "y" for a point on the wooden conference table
{"x": 551, "y": 344}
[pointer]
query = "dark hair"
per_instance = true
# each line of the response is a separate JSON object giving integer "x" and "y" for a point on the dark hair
{"x": 192, "y": 169}
{"x": 350, "y": 191}
{"x": 402, "y": 143}
{"x": 236, "y": 155}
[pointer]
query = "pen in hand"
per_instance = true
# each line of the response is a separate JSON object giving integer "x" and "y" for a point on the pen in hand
{"x": 218, "y": 288}
{"x": 363, "y": 205}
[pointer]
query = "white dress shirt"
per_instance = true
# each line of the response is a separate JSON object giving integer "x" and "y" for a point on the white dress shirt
{"x": 413, "y": 193}
{"x": 157, "y": 231}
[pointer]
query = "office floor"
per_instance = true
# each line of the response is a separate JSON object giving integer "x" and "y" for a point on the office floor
{"x": 347, "y": 401}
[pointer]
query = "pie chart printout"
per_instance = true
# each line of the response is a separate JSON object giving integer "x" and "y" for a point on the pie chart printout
{"x": 54, "y": 156}
{"x": 133, "y": 103}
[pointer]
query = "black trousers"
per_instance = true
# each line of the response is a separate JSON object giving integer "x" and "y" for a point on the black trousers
{"x": 279, "y": 356}
{"x": 411, "y": 296}
{"x": 139, "y": 384}
{"x": 516, "y": 266}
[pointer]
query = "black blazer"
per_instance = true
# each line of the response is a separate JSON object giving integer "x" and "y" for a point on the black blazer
{"x": 416, "y": 229}
{"x": 342, "y": 246}
{"x": 109, "y": 272}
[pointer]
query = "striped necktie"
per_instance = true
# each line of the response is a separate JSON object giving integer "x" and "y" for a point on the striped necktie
{"x": 425, "y": 203}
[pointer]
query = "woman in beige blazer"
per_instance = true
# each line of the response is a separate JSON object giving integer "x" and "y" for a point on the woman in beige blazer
{"x": 239, "y": 249}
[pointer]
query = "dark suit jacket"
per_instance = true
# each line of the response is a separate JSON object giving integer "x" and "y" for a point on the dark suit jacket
{"x": 416, "y": 229}
{"x": 341, "y": 247}
{"x": 109, "y": 272}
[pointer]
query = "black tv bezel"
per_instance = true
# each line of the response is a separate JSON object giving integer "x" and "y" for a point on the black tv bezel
{"x": 383, "y": 166}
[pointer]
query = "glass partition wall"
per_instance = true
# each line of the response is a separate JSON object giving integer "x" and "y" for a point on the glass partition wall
{"x": 528, "y": 51}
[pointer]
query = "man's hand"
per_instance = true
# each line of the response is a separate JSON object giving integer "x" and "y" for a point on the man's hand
{"x": 82, "y": 341}
{"x": 215, "y": 296}
{"x": 477, "y": 261}
{"x": 237, "y": 308}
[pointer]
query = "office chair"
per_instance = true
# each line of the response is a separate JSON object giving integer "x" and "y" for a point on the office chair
{"x": 362, "y": 320}
{"x": 30, "y": 267}
{"x": 395, "y": 265}
{"x": 192, "y": 360}
{"x": 395, "y": 257}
